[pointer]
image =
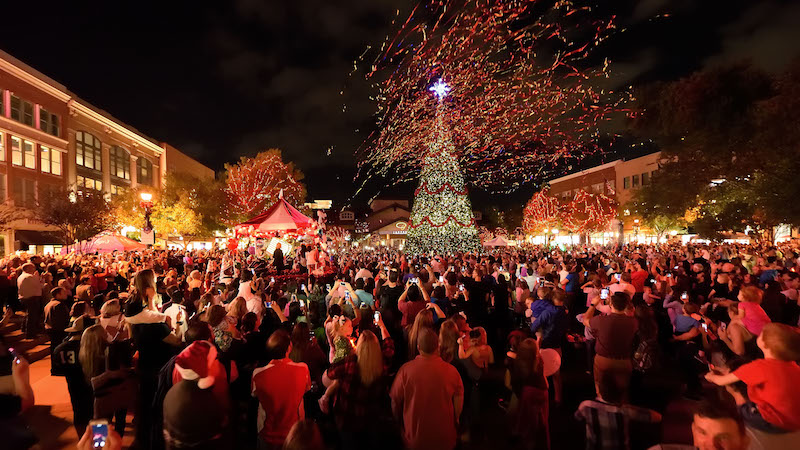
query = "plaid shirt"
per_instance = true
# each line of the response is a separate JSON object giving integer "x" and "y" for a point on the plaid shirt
{"x": 607, "y": 425}
{"x": 360, "y": 405}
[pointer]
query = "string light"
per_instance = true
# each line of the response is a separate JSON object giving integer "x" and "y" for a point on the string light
{"x": 523, "y": 99}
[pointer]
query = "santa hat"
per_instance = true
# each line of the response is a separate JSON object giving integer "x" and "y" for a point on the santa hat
{"x": 194, "y": 363}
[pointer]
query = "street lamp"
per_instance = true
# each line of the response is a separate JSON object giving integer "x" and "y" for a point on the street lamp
{"x": 147, "y": 205}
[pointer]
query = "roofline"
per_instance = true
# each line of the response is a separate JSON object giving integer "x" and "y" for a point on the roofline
{"x": 32, "y": 76}
{"x": 41, "y": 81}
{"x": 585, "y": 171}
{"x": 106, "y": 119}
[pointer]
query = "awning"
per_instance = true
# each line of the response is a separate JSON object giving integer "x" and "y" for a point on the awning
{"x": 31, "y": 237}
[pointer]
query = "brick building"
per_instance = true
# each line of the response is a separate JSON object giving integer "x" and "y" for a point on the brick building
{"x": 51, "y": 139}
{"x": 618, "y": 179}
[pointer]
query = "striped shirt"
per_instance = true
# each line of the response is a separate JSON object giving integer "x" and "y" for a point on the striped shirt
{"x": 608, "y": 425}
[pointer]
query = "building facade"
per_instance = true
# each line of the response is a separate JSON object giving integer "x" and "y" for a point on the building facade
{"x": 52, "y": 139}
{"x": 618, "y": 179}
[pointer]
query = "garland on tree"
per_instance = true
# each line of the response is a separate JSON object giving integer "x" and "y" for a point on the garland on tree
{"x": 441, "y": 219}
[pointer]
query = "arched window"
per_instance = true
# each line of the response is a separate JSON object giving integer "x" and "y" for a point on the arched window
{"x": 144, "y": 171}
{"x": 120, "y": 160}
{"x": 87, "y": 151}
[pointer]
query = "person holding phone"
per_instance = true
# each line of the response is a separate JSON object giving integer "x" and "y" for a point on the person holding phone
{"x": 623, "y": 284}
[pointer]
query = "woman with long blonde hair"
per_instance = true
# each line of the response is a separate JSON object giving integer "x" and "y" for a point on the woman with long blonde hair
{"x": 92, "y": 354}
{"x": 362, "y": 408}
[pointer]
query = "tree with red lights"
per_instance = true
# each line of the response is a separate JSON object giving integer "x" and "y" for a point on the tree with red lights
{"x": 542, "y": 212}
{"x": 253, "y": 184}
{"x": 589, "y": 213}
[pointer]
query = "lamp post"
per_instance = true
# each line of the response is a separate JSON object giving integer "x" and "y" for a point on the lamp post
{"x": 147, "y": 205}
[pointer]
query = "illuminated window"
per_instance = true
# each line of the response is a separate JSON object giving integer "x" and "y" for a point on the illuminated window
{"x": 86, "y": 183}
{"x": 116, "y": 190}
{"x": 48, "y": 122}
{"x": 120, "y": 161}
{"x": 50, "y": 160}
{"x": 144, "y": 171}
{"x": 29, "y": 153}
{"x": 88, "y": 151}
{"x": 2, "y": 141}
{"x": 16, "y": 151}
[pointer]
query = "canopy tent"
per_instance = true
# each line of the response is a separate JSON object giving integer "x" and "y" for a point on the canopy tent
{"x": 498, "y": 241}
{"x": 279, "y": 217}
{"x": 105, "y": 243}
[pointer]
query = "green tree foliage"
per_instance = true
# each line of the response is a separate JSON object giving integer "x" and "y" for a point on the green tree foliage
{"x": 77, "y": 217}
{"x": 733, "y": 123}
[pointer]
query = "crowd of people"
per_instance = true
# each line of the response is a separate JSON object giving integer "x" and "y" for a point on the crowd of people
{"x": 379, "y": 349}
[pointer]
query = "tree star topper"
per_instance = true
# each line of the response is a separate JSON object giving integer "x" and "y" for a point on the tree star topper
{"x": 440, "y": 89}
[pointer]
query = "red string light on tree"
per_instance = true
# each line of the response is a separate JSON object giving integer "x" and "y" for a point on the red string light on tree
{"x": 589, "y": 213}
{"x": 542, "y": 212}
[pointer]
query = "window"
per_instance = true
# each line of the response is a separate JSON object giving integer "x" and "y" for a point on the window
{"x": 24, "y": 192}
{"x": 29, "y": 152}
{"x": 635, "y": 181}
{"x": 21, "y": 110}
{"x": 2, "y": 143}
{"x": 626, "y": 183}
{"x": 2, "y": 102}
{"x": 346, "y": 215}
{"x": 645, "y": 179}
{"x": 144, "y": 171}
{"x": 16, "y": 108}
{"x": 48, "y": 122}
{"x": 51, "y": 160}
{"x": 2, "y": 187}
{"x": 597, "y": 188}
{"x": 84, "y": 183}
{"x": 16, "y": 151}
{"x": 120, "y": 161}
{"x": 116, "y": 190}
{"x": 88, "y": 151}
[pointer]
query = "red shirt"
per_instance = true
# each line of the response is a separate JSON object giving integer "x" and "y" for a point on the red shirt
{"x": 772, "y": 386}
{"x": 637, "y": 280}
{"x": 423, "y": 391}
{"x": 279, "y": 387}
{"x": 410, "y": 310}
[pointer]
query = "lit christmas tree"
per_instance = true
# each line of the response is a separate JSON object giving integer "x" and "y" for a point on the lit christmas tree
{"x": 441, "y": 219}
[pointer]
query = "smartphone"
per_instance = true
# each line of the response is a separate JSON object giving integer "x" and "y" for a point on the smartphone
{"x": 303, "y": 287}
{"x": 441, "y": 279}
{"x": 618, "y": 276}
{"x": 669, "y": 275}
{"x": 684, "y": 296}
{"x": 341, "y": 284}
{"x": 15, "y": 355}
{"x": 461, "y": 288}
{"x": 586, "y": 273}
{"x": 302, "y": 304}
{"x": 501, "y": 268}
{"x": 347, "y": 294}
{"x": 271, "y": 279}
{"x": 652, "y": 280}
{"x": 376, "y": 317}
{"x": 676, "y": 267}
{"x": 604, "y": 293}
{"x": 268, "y": 304}
{"x": 328, "y": 287}
{"x": 99, "y": 433}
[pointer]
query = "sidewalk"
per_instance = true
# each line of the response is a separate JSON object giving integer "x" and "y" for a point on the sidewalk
{"x": 51, "y": 416}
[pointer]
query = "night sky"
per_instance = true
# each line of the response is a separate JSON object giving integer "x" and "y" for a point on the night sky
{"x": 228, "y": 78}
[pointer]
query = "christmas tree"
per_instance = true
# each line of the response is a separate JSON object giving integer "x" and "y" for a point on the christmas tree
{"x": 441, "y": 219}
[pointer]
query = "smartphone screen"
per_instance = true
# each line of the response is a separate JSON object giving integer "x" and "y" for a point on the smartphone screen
{"x": 99, "y": 434}
{"x": 684, "y": 296}
{"x": 705, "y": 326}
{"x": 302, "y": 304}
{"x": 441, "y": 279}
{"x": 604, "y": 293}
{"x": 376, "y": 317}
{"x": 269, "y": 304}
{"x": 618, "y": 276}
